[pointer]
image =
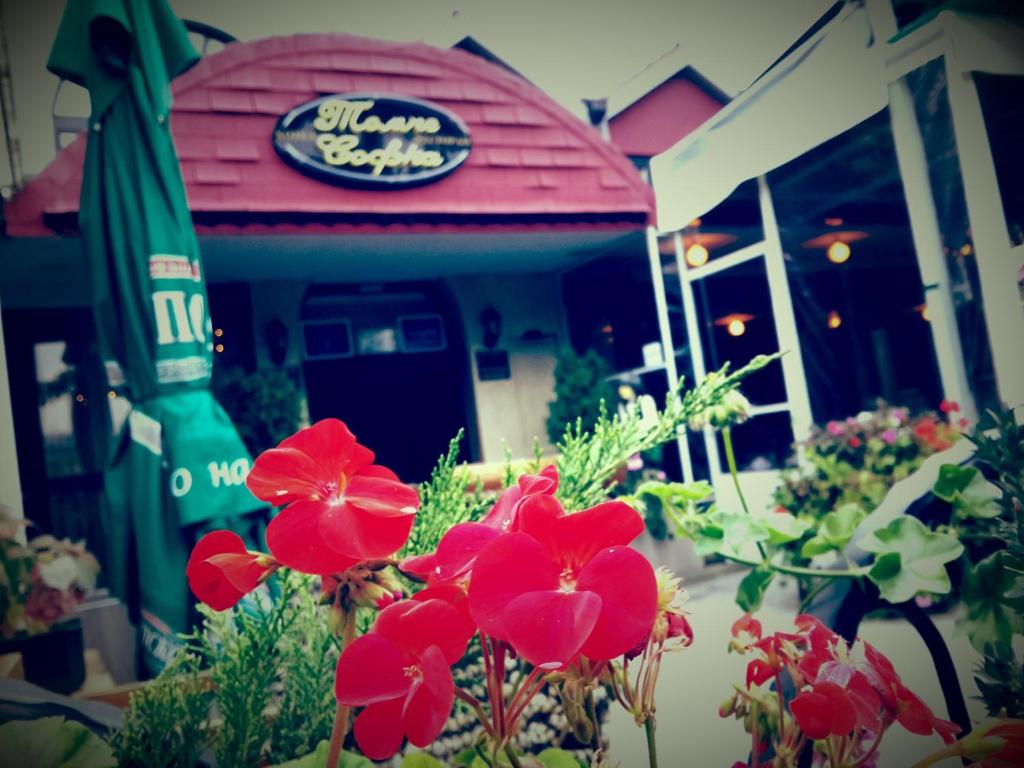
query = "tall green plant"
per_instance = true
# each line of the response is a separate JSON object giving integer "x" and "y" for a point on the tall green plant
{"x": 264, "y": 405}
{"x": 581, "y": 389}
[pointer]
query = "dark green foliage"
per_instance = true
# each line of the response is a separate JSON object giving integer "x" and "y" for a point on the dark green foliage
{"x": 309, "y": 655}
{"x": 264, "y": 405}
{"x": 1000, "y": 678}
{"x": 165, "y": 723}
{"x": 581, "y": 387}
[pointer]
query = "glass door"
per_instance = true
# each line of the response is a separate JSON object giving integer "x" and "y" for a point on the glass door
{"x": 736, "y": 305}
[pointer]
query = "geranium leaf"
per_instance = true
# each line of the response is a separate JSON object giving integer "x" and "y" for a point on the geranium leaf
{"x": 968, "y": 491}
{"x": 676, "y": 493}
{"x": 952, "y": 479}
{"x": 557, "y": 758}
{"x": 835, "y": 531}
{"x": 318, "y": 759}
{"x": 420, "y": 760}
{"x": 911, "y": 558}
{"x": 750, "y": 593}
{"x": 53, "y": 742}
{"x": 992, "y": 602}
{"x": 783, "y": 527}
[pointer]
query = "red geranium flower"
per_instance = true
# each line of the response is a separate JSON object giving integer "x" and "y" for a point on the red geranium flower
{"x": 746, "y": 630}
{"x": 341, "y": 508}
{"x": 565, "y": 584}
{"x": 823, "y": 711}
{"x": 903, "y": 704}
{"x": 949, "y": 406}
{"x": 460, "y": 545}
{"x": 221, "y": 570}
{"x": 401, "y": 673}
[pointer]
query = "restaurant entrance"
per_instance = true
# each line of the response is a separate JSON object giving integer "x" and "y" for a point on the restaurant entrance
{"x": 390, "y": 361}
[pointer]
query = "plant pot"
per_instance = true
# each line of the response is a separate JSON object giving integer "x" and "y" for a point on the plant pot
{"x": 54, "y": 660}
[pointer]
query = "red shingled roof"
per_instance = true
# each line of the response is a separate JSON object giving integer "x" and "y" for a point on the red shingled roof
{"x": 532, "y": 162}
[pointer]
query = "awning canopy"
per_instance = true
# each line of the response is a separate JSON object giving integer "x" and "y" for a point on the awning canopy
{"x": 830, "y": 84}
{"x": 835, "y": 81}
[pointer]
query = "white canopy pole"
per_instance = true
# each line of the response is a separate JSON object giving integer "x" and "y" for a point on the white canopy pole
{"x": 10, "y": 482}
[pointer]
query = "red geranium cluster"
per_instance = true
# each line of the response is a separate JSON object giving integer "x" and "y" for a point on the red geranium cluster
{"x": 562, "y": 591}
{"x": 846, "y": 698}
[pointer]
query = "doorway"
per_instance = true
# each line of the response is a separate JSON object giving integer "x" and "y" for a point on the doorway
{"x": 390, "y": 361}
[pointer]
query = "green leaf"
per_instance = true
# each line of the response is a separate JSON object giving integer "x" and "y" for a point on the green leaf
{"x": 992, "y": 600}
{"x": 752, "y": 588}
{"x": 557, "y": 758}
{"x": 782, "y": 527}
{"x": 318, "y": 759}
{"x": 53, "y": 742}
{"x": 835, "y": 531}
{"x": 911, "y": 558}
{"x": 420, "y": 760}
{"x": 968, "y": 491}
{"x": 676, "y": 493}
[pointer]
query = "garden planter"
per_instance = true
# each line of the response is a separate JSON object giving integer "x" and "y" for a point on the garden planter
{"x": 54, "y": 660}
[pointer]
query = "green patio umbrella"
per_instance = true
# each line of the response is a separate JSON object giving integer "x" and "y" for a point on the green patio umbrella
{"x": 179, "y": 466}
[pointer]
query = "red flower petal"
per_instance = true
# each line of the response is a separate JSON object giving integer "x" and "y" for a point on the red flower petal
{"x": 548, "y": 628}
{"x": 839, "y": 709}
{"x": 428, "y": 706}
{"x": 294, "y": 540}
{"x": 371, "y": 670}
{"x": 381, "y": 496}
{"x": 502, "y": 516}
{"x": 243, "y": 570}
{"x": 378, "y": 729}
{"x": 301, "y": 466}
{"x": 452, "y": 594}
{"x": 509, "y": 566}
{"x": 748, "y": 624}
{"x": 758, "y": 671}
{"x": 354, "y": 532}
{"x": 574, "y": 539}
{"x": 414, "y": 626}
{"x": 207, "y": 581}
{"x": 627, "y": 586}
{"x": 809, "y": 710}
{"x": 459, "y": 547}
{"x": 420, "y": 567}
{"x": 376, "y": 470}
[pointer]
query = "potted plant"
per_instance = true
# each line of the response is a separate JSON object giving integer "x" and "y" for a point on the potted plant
{"x": 41, "y": 582}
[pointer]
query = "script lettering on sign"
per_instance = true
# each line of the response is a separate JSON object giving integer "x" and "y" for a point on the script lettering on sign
{"x": 372, "y": 141}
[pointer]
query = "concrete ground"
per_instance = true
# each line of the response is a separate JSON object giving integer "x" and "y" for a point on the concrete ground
{"x": 693, "y": 682}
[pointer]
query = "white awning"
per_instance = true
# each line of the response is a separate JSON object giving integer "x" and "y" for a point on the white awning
{"x": 833, "y": 82}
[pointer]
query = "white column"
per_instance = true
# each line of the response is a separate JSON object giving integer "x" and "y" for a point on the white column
{"x": 997, "y": 268}
{"x": 785, "y": 319}
{"x": 668, "y": 349}
{"x": 696, "y": 350}
{"x": 924, "y": 228}
{"x": 10, "y": 482}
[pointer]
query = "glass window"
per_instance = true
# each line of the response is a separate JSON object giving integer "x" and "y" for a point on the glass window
{"x": 931, "y": 104}
{"x": 734, "y": 224}
{"x": 762, "y": 443}
{"x": 609, "y": 306}
{"x": 1002, "y": 101}
{"x": 736, "y": 318}
{"x": 853, "y": 275}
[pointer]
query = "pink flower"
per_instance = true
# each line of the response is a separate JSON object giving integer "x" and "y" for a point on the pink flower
{"x": 889, "y": 436}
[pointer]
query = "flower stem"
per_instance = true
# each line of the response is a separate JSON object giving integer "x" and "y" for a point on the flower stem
{"x": 341, "y": 714}
{"x": 652, "y": 747}
{"x": 513, "y": 758}
{"x": 730, "y": 458}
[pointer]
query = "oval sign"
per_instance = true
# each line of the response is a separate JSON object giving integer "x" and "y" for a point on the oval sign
{"x": 369, "y": 140}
